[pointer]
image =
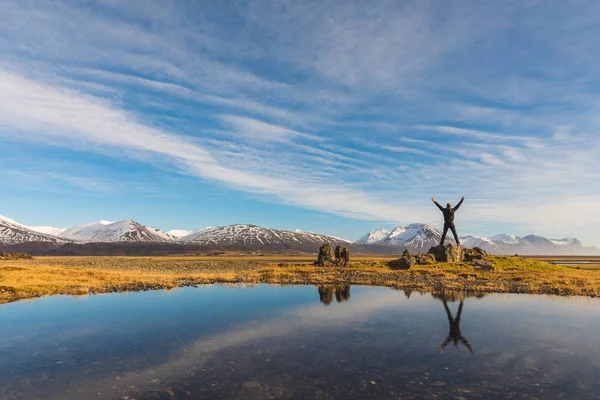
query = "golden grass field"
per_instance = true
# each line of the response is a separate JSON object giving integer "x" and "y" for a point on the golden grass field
{"x": 41, "y": 276}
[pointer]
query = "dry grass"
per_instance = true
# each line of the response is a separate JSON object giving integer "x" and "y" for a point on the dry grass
{"x": 21, "y": 279}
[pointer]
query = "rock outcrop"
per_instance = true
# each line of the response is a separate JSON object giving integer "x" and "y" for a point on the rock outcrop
{"x": 447, "y": 253}
{"x": 404, "y": 262}
{"x": 475, "y": 253}
{"x": 342, "y": 256}
{"x": 425, "y": 259}
{"x": 326, "y": 256}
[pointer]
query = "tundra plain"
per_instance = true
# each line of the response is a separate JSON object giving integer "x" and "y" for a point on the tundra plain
{"x": 42, "y": 276}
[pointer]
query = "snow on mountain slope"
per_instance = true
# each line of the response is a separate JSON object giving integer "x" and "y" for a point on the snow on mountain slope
{"x": 84, "y": 232}
{"x": 121, "y": 231}
{"x": 416, "y": 236}
{"x": 373, "y": 237}
{"x": 167, "y": 237}
{"x": 48, "y": 230}
{"x": 179, "y": 233}
{"x": 390, "y": 239}
{"x": 566, "y": 242}
{"x": 505, "y": 239}
{"x": 536, "y": 240}
{"x": 481, "y": 242}
{"x": 471, "y": 241}
{"x": 252, "y": 236}
{"x": 11, "y": 232}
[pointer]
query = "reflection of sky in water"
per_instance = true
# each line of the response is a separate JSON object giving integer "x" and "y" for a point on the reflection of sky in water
{"x": 223, "y": 342}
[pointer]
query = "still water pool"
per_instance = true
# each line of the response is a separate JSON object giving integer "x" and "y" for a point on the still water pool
{"x": 220, "y": 342}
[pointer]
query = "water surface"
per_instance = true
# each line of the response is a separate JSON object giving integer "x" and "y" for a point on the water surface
{"x": 325, "y": 342}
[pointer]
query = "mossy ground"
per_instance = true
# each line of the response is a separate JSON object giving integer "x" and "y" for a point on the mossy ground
{"x": 22, "y": 279}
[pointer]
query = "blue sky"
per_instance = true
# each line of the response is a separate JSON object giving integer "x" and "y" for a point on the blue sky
{"x": 336, "y": 117}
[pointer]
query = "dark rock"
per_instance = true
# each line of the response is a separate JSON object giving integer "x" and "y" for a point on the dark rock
{"x": 338, "y": 253}
{"x": 447, "y": 253}
{"x": 400, "y": 263}
{"x": 404, "y": 262}
{"x": 484, "y": 265}
{"x": 326, "y": 257}
{"x": 475, "y": 253}
{"x": 342, "y": 256}
{"x": 425, "y": 259}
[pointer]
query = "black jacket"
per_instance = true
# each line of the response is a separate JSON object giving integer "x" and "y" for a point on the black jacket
{"x": 449, "y": 212}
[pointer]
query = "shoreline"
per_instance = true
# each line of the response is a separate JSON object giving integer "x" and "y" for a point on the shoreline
{"x": 44, "y": 276}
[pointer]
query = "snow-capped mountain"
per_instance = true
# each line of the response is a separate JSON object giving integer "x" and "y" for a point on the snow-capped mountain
{"x": 11, "y": 232}
{"x": 418, "y": 237}
{"x": 415, "y": 236}
{"x": 481, "y": 242}
{"x": 84, "y": 232}
{"x": 373, "y": 237}
{"x": 255, "y": 237}
{"x": 505, "y": 239}
{"x": 122, "y": 231}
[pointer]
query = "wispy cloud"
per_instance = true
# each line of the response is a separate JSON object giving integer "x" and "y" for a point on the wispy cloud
{"x": 29, "y": 178}
{"x": 476, "y": 134}
{"x": 44, "y": 110}
{"x": 258, "y": 130}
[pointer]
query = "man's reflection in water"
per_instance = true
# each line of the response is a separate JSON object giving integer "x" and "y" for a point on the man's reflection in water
{"x": 455, "y": 335}
{"x": 326, "y": 293}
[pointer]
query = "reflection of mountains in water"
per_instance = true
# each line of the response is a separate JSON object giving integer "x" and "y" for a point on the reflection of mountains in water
{"x": 327, "y": 292}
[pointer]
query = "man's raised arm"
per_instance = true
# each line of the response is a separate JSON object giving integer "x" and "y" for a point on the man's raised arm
{"x": 436, "y": 203}
{"x": 459, "y": 203}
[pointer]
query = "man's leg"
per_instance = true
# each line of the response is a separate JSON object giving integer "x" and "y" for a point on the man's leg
{"x": 453, "y": 227}
{"x": 444, "y": 234}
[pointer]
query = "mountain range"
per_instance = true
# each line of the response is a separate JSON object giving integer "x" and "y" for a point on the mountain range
{"x": 129, "y": 236}
{"x": 420, "y": 237}
{"x": 14, "y": 235}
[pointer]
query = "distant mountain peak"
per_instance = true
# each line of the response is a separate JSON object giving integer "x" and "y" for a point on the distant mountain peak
{"x": 126, "y": 230}
{"x": 373, "y": 236}
{"x": 12, "y": 232}
{"x": 242, "y": 236}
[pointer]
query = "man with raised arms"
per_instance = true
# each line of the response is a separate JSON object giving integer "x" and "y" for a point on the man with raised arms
{"x": 449, "y": 219}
